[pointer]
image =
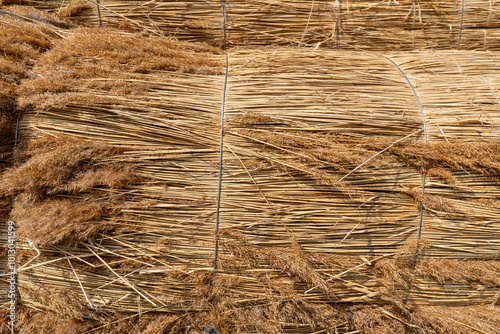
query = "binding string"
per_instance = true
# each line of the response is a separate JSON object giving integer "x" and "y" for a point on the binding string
{"x": 221, "y": 147}
{"x": 209, "y": 328}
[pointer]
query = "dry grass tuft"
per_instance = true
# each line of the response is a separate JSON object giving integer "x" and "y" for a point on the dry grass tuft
{"x": 371, "y": 319}
{"x": 197, "y": 24}
{"x": 442, "y": 174}
{"x": 292, "y": 261}
{"x": 476, "y": 156}
{"x": 425, "y": 319}
{"x": 432, "y": 202}
{"x": 458, "y": 320}
{"x": 253, "y": 119}
{"x": 65, "y": 302}
{"x": 7, "y": 106}
{"x": 339, "y": 152}
{"x": 26, "y": 34}
{"x": 323, "y": 156}
{"x": 296, "y": 264}
{"x": 69, "y": 190}
{"x": 345, "y": 153}
{"x": 54, "y": 221}
{"x": 399, "y": 272}
{"x": 30, "y": 320}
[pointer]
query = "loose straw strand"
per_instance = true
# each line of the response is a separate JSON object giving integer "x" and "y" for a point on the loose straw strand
{"x": 80, "y": 284}
{"x": 307, "y": 24}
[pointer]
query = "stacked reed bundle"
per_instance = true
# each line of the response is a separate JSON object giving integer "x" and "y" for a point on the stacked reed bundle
{"x": 374, "y": 25}
{"x": 121, "y": 163}
{"x": 310, "y": 122}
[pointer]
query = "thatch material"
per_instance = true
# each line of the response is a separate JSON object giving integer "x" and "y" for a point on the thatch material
{"x": 321, "y": 193}
{"x": 383, "y": 25}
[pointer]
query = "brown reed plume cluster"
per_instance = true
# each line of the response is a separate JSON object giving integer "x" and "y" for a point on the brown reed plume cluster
{"x": 60, "y": 189}
{"x": 115, "y": 69}
{"x": 314, "y": 154}
{"x": 74, "y": 8}
{"x": 345, "y": 153}
{"x": 368, "y": 319}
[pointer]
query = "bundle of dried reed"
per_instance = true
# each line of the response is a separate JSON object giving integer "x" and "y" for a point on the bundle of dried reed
{"x": 366, "y": 24}
{"x": 324, "y": 153}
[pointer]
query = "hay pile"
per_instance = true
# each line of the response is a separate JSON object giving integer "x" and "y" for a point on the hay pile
{"x": 375, "y": 25}
{"x": 115, "y": 188}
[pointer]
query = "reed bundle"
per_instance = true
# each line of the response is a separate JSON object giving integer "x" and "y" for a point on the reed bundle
{"x": 115, "y": 184}
{"x": 376, "y": 25}
{"x": 324, "y": 156}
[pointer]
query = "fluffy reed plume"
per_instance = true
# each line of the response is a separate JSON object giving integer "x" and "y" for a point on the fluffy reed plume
{"x": 64, "y": 302}
{"x": 400, "y": 272}
{"x": 56, "y": 164}
{"x": 292, "y": 261}
{"x": 343, "y": 153}
{"x": 32, "y": 321}
{"x": 118, "y": 67}
{"x": 26, "y": 34}
{"x": 304, "y": 178}
{"x": 21, "y": 44}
